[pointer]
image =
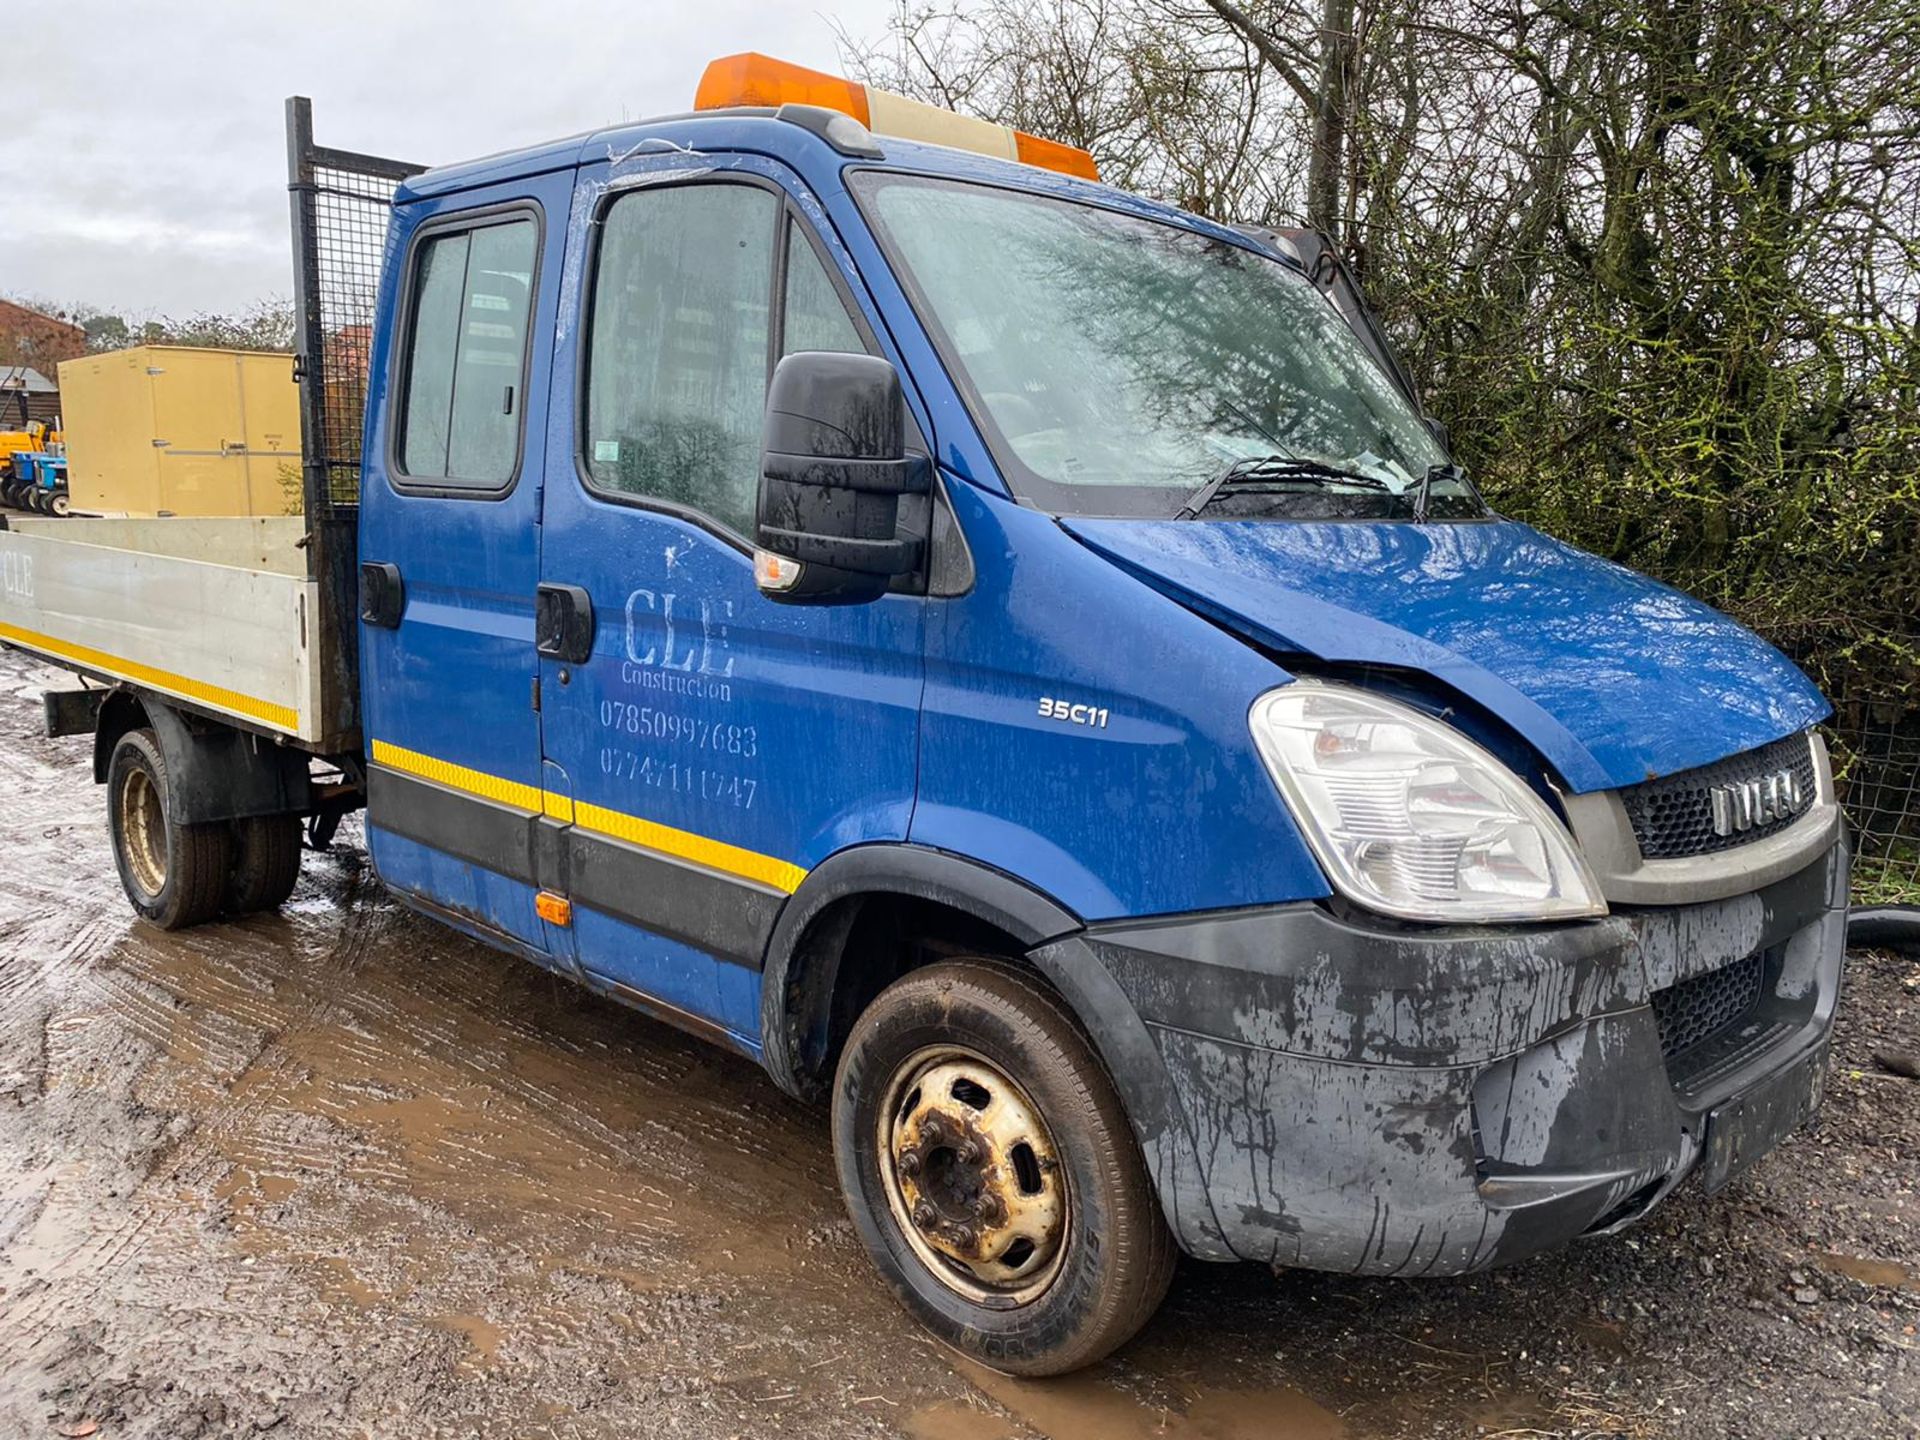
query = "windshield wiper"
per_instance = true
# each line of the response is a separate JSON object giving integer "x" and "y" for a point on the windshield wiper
{"x": 1447, "y": 471}
{"x": 1285, "y": 468}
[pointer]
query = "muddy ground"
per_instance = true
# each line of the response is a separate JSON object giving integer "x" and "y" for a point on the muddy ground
{"x": 340, "y": 1172}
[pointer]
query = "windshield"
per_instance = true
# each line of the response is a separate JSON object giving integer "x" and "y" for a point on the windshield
{"x": 1119, "y": 363}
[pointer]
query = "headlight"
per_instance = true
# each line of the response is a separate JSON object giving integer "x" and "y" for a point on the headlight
{"x": 1411, "y": 818}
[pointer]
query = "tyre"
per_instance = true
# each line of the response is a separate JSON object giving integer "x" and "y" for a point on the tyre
{"x": 60, "y": 504}
{"x": 991, "y": 1173}
{"x": 266, "y": 863}
{"x": 175, "y": 875}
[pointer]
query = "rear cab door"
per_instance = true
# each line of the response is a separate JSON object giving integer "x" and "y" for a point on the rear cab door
{"x": 449, "y": 530}
{"x": 712, "y": 745}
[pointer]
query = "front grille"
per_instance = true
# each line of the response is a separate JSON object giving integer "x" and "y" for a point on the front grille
{"x": 1672, "y": 817}
{"x": 1694, "y": 1011}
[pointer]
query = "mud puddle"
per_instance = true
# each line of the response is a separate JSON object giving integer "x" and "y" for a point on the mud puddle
{"x": 1868, "y": 1271}
{"x": 1091, "y": 1406}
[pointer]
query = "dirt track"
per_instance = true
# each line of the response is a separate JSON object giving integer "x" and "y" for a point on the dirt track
{"x": 340, "y": 1172}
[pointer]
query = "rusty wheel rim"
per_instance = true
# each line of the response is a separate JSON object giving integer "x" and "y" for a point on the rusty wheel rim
{"x": 973, "y": 1176}
{"x": 143, "y": 828}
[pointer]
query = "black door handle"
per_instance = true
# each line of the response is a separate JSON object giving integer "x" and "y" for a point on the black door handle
{"x": 383, "y": 594}
{"x": 563, "y": 623}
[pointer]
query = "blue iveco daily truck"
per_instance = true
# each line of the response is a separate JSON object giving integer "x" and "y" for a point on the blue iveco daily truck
{"x": 1009, "y": 657}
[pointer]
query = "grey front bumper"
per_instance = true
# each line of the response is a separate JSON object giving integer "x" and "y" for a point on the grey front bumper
{"x": 1346, "y": 1094}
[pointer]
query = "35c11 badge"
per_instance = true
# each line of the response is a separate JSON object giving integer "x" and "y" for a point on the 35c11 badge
{"x": 1089, "y": 715}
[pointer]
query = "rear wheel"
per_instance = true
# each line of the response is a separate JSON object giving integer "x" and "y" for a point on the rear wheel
{"x": 266, "y": 862}
{"x": 175, "y": 875}
{"x": 991, "y": 1172}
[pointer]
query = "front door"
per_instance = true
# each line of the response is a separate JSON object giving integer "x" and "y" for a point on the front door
{"x": 714, "y": 745}
{"x": 450, "y": 517}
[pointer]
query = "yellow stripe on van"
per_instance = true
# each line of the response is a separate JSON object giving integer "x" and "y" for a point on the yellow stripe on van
{"x": 457, "y": 777}
{"x": 661, "y": 839}
{"x": 280, "y": 717}
{"x": 685, "y": 845}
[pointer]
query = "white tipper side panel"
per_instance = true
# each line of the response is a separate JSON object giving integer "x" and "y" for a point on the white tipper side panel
{"x": 229, "y": 638}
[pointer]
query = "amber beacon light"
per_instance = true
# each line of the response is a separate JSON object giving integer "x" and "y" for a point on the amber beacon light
{"x": 752, "y": 79}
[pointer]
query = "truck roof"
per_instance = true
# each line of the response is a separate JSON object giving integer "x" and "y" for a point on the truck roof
{"x": 758, "y": 130}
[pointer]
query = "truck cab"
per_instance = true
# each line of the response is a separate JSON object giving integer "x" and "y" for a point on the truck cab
{"x": 1005, "y": 656}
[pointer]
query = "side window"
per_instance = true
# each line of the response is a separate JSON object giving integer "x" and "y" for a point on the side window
{"x": 677, "y": 347}
{"x": 466, "y": 355}
{"x": 813, "y": 317}
{"x": 679, "y": 342}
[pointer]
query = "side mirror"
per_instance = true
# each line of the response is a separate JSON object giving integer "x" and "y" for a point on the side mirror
{"x": 1438, "y": 430}
{"x": 833, "y": 467}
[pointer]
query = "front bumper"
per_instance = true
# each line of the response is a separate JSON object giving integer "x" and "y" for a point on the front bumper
{"x": 1346, "y": 1094}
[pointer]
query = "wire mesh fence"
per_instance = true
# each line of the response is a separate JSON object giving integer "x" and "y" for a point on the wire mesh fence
{"x": 1876, "y": 754}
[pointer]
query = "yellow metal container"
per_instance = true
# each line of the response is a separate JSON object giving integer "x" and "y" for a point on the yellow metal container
{"x": 171, "y": 430}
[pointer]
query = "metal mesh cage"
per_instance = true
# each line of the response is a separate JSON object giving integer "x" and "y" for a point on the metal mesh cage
{"x": 341, "y": 203}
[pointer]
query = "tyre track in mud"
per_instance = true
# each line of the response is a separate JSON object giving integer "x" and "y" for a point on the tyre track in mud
{"x": 331, "y": 1019}
{"x": 147, "y": 1261}
{"x": 155, "y": 1015}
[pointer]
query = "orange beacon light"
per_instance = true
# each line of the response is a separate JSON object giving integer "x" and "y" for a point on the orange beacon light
{"x": 753, "y": 79}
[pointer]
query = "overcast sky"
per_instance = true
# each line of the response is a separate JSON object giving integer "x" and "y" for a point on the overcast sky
{"x": 142, "y": 151}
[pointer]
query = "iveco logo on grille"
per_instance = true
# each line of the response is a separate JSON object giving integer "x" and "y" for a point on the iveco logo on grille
{"x": 1743, "y": 804}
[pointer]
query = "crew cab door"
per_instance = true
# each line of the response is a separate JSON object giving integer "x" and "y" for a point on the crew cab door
{"x": 714, "y": 744}
{"x": 449, "y": 550}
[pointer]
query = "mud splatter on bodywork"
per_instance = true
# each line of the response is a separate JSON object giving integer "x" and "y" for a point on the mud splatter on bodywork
{"x": 1399, "y": 1101}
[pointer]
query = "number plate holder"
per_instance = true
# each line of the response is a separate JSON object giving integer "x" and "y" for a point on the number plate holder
{"x": 1752, "y": 1123}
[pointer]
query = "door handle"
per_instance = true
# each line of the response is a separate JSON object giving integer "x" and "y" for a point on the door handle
{"x": 383, "y": 594}
{"x": 563, "y": 623}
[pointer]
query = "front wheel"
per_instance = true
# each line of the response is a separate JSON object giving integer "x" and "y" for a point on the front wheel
{"x": 175, "y": 875}
{"x": 990, "y": 1170}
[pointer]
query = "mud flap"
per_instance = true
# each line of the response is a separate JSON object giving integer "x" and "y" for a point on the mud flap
{"x": 220, "y": 773}
{"x": 72, "y": 712}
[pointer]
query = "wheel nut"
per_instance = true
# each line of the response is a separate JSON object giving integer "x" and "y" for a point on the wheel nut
{"x": 923, "y": 1216}
{"x": 930, "y": 1128}
{"x": 909, "y": 1162}
{"x": 991, "y": 1209}
{"x": 962, "y": 1237}
{"x": 967, "y": 1152}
